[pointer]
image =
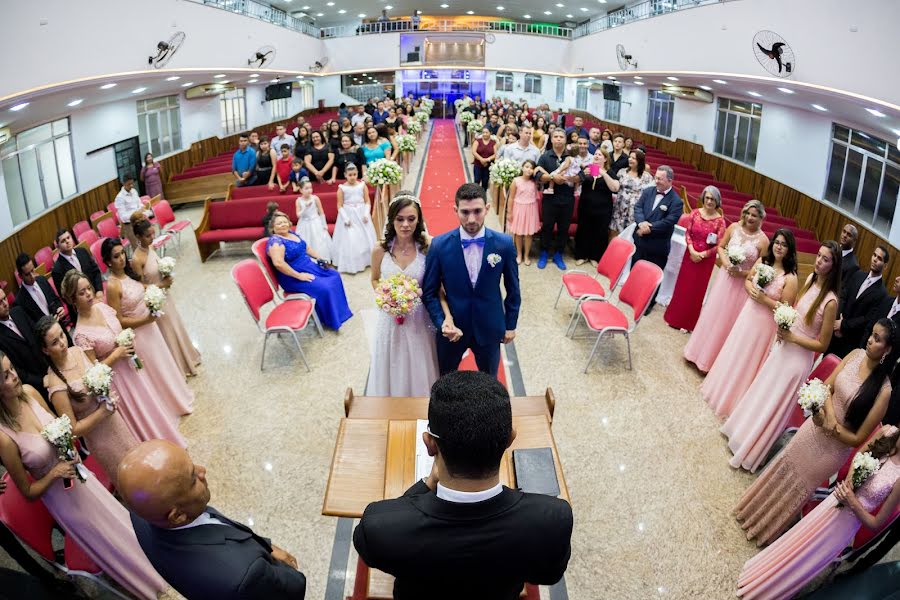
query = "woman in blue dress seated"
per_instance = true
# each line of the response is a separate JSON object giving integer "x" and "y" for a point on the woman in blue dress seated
{"x": 298, "y": 271}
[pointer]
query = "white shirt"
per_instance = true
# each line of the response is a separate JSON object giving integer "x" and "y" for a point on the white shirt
{"x": 204, "y": 519}
{"x": 473, "y": 253}
{"x": 846, "y": 252}
{"x": 659, "y": 197}
{"x": 127, "y": 203}
{"x": 870, "y": 279}
{"x": 72, "y": 259}
{"x": 358, "y": 118}
{"x": 278, "y": 142}
{"x": 9, "y": 323}
{"x": 38, "y": 294}
{"x": 895, "y": 307}
{"x": 445, "y": 493}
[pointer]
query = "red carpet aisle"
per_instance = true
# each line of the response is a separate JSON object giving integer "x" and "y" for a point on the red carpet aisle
{"x": 444, "y": 173}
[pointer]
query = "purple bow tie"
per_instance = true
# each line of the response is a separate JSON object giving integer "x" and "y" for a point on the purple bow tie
{"x": 477, "y": 241}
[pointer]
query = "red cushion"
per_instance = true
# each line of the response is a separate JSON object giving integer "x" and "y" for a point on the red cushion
{"x": 579, "y": 284}
{"x": 293, "y": 314}
{"x": 603, "y": 315}
{"x": 238, "y": 234}
{"x": 178, "y": 225}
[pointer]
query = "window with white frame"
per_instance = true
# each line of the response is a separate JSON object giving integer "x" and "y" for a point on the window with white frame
{"x": 233, "y": 108}
{"x": 38, "y": 169}
{"x": 582, "y": 90}
{"x": 737, "y": 129}
{"x": 863, "y": 177}
{"x": 560, "y": 89}
{"x": 306, "y": 95}
{"x": 612, "y": 110}
{"x": 532, "y": 84}
{"x": 159, "y": 125}
{"x": 660, "y": 110}
{"x": 504, "y": 81}
{"x": 279, "y": 108}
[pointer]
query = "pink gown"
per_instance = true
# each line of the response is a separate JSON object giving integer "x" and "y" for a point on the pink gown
{"x": 89, "y": 515}
{"x": 139, "y": 399}
{"x": 110, "y": 439}
{"x": 783, "y": 568}
{"x": 525, "y": 218}
{"x": 726, "y": 298}
{"x": 743, "y": 354}
{"x": 761, "y": 414}
{"x": 778, "y": 494}
{"x": 159, "y": 364}
{"x": 170, "y": 324}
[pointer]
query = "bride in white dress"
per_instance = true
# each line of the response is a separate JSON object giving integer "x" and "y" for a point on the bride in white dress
{"x": 404, "y": 356}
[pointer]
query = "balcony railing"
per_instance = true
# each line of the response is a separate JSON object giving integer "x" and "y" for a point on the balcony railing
{"x": 637, "y": 12}
{"x": 263, "y": 12}
{"x": 445, "y": 25}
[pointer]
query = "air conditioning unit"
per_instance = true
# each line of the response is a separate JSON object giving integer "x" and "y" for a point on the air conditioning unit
{"x": 688, "y": 93}
{"x": 207, "y": 89}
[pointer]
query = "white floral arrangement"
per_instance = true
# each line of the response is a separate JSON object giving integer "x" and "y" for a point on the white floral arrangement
{"x": 765, "y": 274}
{"x": 166, "y": 266}
{"x": 406, "y": 143}
{"x": 736, "y": 254}
{"x": 126, "y": 338}
{"x": 504, "y": 171}
{"x": 384, "y": 172}
{"x": 422, "y": 117}
{"x": 813, "y": 395}
{"x": 413, "y": 127}
{"x": 864, "y": 465}
{"x": 461, "y": 103}
{"x": 59, "y": 433}
{"x": 155, "y": 298}
{"x": 428, "y": 103}
{"x": 466, "y": 117}
{"x": 475, "y": 126}
{"x": 98, "y": 381}
{"x": 785, "y": 316}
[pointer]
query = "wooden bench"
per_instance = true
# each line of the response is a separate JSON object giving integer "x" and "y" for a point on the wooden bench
{"x": 197, "y": 189}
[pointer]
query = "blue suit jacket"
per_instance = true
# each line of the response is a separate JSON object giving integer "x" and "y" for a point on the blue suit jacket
{"x": 662, "y": 220}
{"x": 479, "y": 310}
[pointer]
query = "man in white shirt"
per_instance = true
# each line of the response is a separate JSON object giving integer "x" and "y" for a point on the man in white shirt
{"x": 282, "y": 139}
{"x": 523, "y": 149}
{"x": 128, "y": 201}
{"x": 359, "y": 117}
{"x": 36, "y": 296}
{"x": 861, "y": 298}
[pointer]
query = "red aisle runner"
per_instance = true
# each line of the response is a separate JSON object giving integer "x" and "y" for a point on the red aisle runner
{"x": 443, "y": 175}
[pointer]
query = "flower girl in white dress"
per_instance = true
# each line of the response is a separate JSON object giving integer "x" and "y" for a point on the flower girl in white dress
{"x": 311, "y": 224}
{"x": 354, "y": 234}
{"x": 404, "y": 355}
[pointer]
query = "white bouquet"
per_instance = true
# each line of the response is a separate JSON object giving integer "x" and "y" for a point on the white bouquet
{"x": 736, "y": 254}
{"x": 475, "y": 126}
{"x": 765, "y": 275}
{"x": 59, "y": 433}
{"x": 126, "y": 338}
{"x": 98, "y": 380}
{"x": 413, "y": 127}
{"x": 466, "y": 117}
{"x": 166, "y": 266}
{"x": 785, "y": 316}
{"x": 155, "y": 298}
{"x": 384, "y": 172}
{"x": 406, "y": 143}
{"x": 422, "y": 117}
{"x": 504, "y": 171}
{"x": 428, "y": 103}
{"x": 864, "y": 465}
{"x": 813, "y": 395}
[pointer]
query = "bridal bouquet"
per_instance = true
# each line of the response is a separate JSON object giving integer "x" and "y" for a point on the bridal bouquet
{"x": 155, "y": 298}
{"x": 126, "y": 338}
{"x": 406, "y": 143}
{"x": 736, "y": 254}
{"x": 765, "y": 274}
{"x": 504, "y": 171}
{"x": 422, "y": 117}
{"x": 413, "y": 127}
{"x": 813, "y": 395}
{"x": 466, "y": 117}
{"x": 166, "y": 266}
{"x": 398, "y": 296}
{"x": 384, "y": 172}
{"x": 864, "y": 465}
{"x": 785, "y": 316}
{"x": 98, "y": 380}
{"x": 474, "y": 126}
{"x": 59, "y": 433}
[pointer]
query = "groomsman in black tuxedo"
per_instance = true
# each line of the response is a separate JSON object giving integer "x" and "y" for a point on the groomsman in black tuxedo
{"x": 36, "y": 296}
{"x": 849, "y": 264}
{"x": 18, "y": 342}
{"x": 459, "y": 533}
{"x": 861, "y": 298}
{"x": 888, "y": 309}
{"x": 70, "y": 258}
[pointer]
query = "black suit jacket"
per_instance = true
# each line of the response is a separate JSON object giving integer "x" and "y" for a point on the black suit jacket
{"x": 24, "y": 352}
{"x": 856, "y": 313}
{"x": 662, "y": 220}
{"x": 218, "y": 561}
{"x": 482, "y": 551}
{"x": 849, "y": 266}
{"x": 27, "y": 303}
{"x": 88, "y": 266}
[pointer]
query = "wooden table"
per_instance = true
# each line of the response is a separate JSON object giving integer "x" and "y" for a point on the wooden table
{"x": 393, "y": 407}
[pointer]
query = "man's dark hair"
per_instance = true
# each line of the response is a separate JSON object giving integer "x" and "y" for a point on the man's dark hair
{"x": 127, "y": 177}
{"x": 22, "y": 260}
{"x": 59, "y": 233}
{"x": 885, "y": 251}
{"x": 469, "y": 191}
{"x": 243, "y": 136}
{"x": 470, "y": 413}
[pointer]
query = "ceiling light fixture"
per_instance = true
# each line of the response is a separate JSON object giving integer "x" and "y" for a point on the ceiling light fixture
{"x": 819, "y": 107}
{"x": 638, "y": 83}
{"x": 188, "y": 84}
{"x": 570, "y": 16}
{"x": 500, "y": 8}
{"x": 329, "y": 4}
{"x": 342, "y": 12}
{"x": 786, "y": 90}
{"x": 306, "y": 7}
{"x": 583, "y": 9}
{"x": 173, "y": 78}
{"x": 388, "y": 7}
{"x": 108, "y": 86}
{"x": 255, "y": 75}
{"x": 672, "y": 78}
{"x": 361, "y": 15}
{"x": 320, "y": 14}
{"x": 720, "y": 81}
{"x": 638, "y": 77}
{"x": 876, "y": 113}
{"x": 18, "y": 107}
{"x": 559, "y": 5}
{"x": 591, "y": 77}
{"x": 547, "y": 12}
{"x": 705, "y": 87}
{"x": 138, "y": 90}
{"x": 219, "y": 76}
{"x": 445, "y": 6}
{"x": 754, "y": 94}
{"x": 611, "y": 77}
{"x": 75, "y": 102}
{"x": 300, "y": 76}
{"x": 526, "y": 16}
{"x": 470, "y": 12}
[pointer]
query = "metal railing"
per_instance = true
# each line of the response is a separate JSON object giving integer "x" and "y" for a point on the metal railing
{"x": 263, "y": 12}
{"x": 543, "y": 29}
{"x": 636, "y": 12}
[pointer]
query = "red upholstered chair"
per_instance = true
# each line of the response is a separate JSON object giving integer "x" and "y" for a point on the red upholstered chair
{"x": 88, "y": 237}
{"x": 604, "y": 318}
{"x": 80, "y": 227}
{"x": 165, "y": 217}
{"x": 95, "y": 216}
{"x": 111, "y": 207}
{"x": 290, "y": 316}
{"x": 44, "y": 256}
{"x": 259, "y": 251}
{"x": 98, "y": 256}
{"x": 108, "y": 228}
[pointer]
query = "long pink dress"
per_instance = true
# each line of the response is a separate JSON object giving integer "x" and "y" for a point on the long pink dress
{"x": 726, "y": 298}
{"x": 525, "y": 218}
{"x": 110, "y": 439}
{"x": 795, "y": 558}
{"x": 761, "y": 414}
{"x": 170, "y": 324}
{"x": 139, "y": 399}
{"x": 778, "y": 494}
{"x": 89, "y": 515}
{"x": 159, "y": 364}
{"x": 743, "y": 354}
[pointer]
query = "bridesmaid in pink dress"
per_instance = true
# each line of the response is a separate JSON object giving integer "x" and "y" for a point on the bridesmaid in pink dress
{"x": 748, "y": 344}
{"x": 96, "y": 333}
{"x": 797, "y": 557}
{"x": 760, "y": 415}
{"x": 702, "y": 234}
{"x": 825, "y": 441}
{"x": 727, "y": 294}
{"x": 125, "y": 294}
{"x": 145, "y": 263}
{"x": 102, "y": 427}
{"x": 86, "y": 511}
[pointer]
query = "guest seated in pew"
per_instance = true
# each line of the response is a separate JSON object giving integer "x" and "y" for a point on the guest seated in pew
{"x": 197, "y": 549}
{"x": 243, "y": 164}
{"x": 459, "y": 533}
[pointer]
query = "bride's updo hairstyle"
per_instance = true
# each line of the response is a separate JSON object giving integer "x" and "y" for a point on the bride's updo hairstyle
{"x": 403, "y": 199}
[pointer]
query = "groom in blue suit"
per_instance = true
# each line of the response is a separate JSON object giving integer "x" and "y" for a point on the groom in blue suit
{"x": 469, "y": 262}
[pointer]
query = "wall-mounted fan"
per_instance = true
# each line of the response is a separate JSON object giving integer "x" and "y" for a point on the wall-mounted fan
{"x": 626, "y": 61}
{"x": 166, "y": 50}
{"x": 774, "y": 54}
{"x": 263, "y": 57}
{"x": 319, "y": 64}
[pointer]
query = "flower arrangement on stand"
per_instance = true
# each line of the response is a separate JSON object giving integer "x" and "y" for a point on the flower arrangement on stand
{"x": 503, "y": 171}
{"x": 384, "y": 172}
{"x": 466, "y": 117}
{"x": 422, "y": 117}
{"x": 406, "y": 146}
{"x": 413, "y": 127}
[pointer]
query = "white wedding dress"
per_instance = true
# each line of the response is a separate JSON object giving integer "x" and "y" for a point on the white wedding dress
{"x": 351, "y": 249}
{"x": 404, "y": 357}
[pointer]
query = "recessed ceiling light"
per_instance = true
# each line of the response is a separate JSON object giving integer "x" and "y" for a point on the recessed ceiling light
{"x": 592, "y": 77}
{"x": 138, "y": 90}
{"x": 501, "y": 8}
{"x": 896, "y": 131}
{"x": 638, "y": 83}
{"x": 547, "y": 12}
{"x": 300, "y": 76}
{"x": 75, "y": 102}
{"x": 611, "y": 77}
{"x": 559, "y": 5}
{"x": 107, "y": 86}
{"x": 329, "y": 4}
{"x": 470, "y": 12}
{"x": 602, "y": 1}
{"x": 255, "y": 75}
{"x": 570, "y": 16}
{"x": 445, "y": 6}
{"x": 638, "y": 77}
{"x": 672, "y": 78}
{"x": 705, "y": 87}
{"x": 342, "y": 11}
{"x": 219, "y": 76}
{"x": 188, "y": 84}
{"x": 583, "y": 9}
{"x": 876, "y": 113}
{"x": 754, "y": 94}
{"x": 361, "y": 15}
{"x": 819, "y": 107}
{"x": 526, "y": 16}
{"x": 173, "y": 78}
{"x": 786, "y": 90}
{"x": 18, "y": 107}
{"x": 224, "y": 82}
{"x": 306, "y": 7}
{"x": 320, "y": 14}
{"x": 720, "y": 81}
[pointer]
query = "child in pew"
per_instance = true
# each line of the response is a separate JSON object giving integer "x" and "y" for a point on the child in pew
{"x": 311, "y": 224}
{"x": 283, "y": 169}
